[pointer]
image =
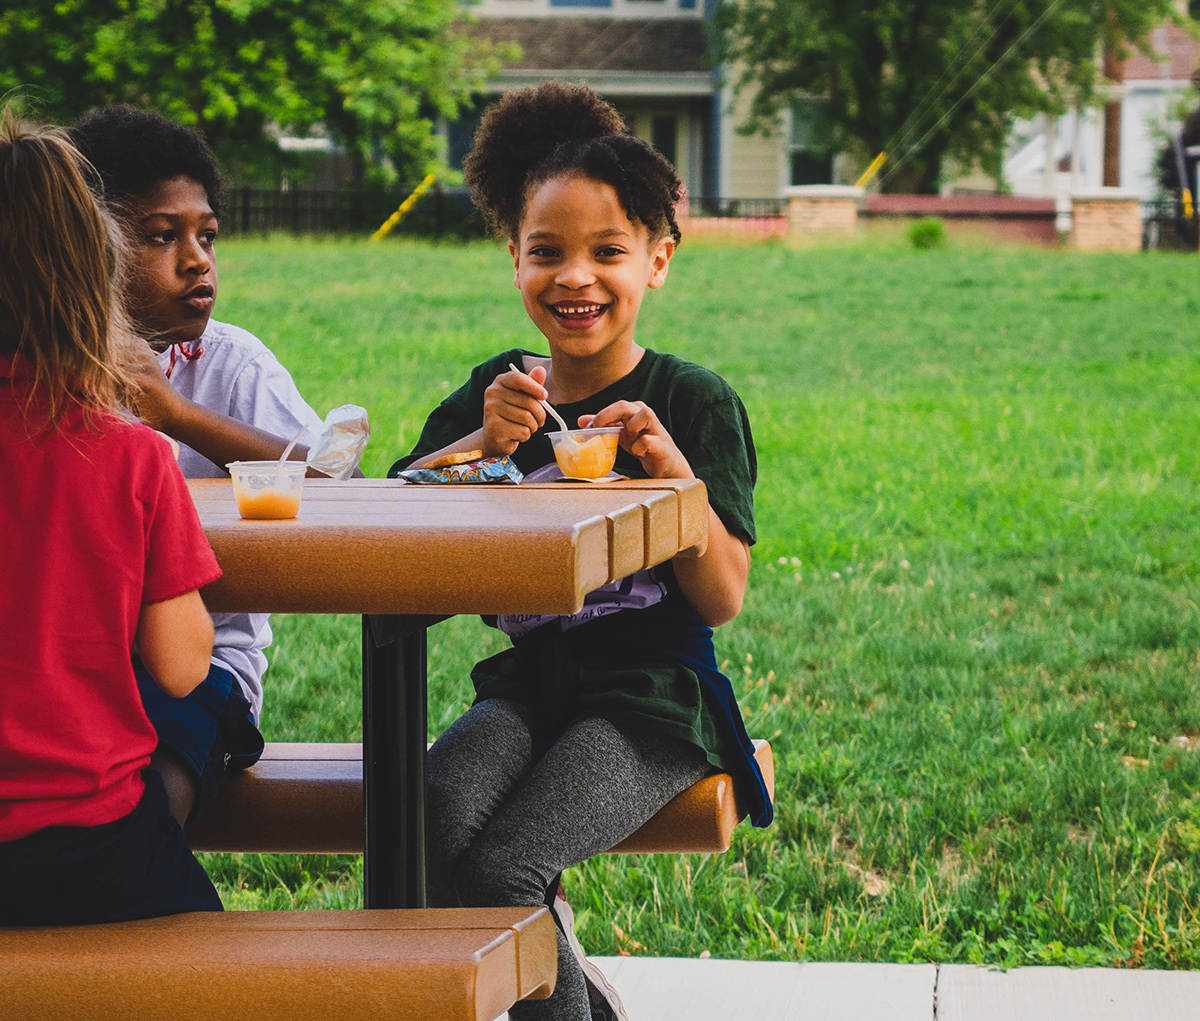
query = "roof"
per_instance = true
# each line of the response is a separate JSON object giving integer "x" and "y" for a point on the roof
{"x": 1174, "y": 42}
{"x": 600, "y": 44}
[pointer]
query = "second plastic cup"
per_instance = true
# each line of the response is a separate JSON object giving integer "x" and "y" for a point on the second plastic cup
{"x": 586, "y": 453}
{"x": 267, "y": 489}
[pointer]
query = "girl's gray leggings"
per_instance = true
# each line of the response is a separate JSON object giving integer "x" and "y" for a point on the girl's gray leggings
{"x": 502, "y": 827}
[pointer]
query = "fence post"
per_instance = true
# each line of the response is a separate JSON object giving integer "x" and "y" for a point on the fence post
{"x": 1106, "y": 220}
{"x": 245, "y": 211}
{"x": 822, "y": 209}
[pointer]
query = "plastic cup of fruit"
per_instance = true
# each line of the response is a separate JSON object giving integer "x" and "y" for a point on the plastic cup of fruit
{"x": 267, "y": 489}
{"x": 586, "y": 453}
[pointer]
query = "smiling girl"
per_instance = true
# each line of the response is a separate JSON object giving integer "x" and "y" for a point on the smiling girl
{"x": 590, "y": 723}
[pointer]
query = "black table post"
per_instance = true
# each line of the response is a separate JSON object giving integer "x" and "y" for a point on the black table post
{"x": 394, "y": 738}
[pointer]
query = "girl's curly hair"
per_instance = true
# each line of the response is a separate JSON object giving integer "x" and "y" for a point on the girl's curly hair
{"x": 548, "y": 130}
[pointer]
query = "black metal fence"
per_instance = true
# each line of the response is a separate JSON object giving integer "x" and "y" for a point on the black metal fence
{"x": 1166, "y": 227}
{"x": 741, "y": 209}
{"x": 439, "y": 212}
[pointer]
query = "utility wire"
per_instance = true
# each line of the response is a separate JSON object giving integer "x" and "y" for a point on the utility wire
{"x": 918, "y": 114}
{"x": 969, "y": 93}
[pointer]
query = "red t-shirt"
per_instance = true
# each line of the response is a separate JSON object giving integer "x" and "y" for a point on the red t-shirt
{"x": 93, "y": 524}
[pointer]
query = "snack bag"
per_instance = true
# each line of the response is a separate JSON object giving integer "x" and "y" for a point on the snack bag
{"x": 470, "y": 466}
{"x": 339, "y": 442}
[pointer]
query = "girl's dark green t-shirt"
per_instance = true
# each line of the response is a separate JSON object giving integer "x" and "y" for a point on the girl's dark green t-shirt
{"x": 709, "y": 424}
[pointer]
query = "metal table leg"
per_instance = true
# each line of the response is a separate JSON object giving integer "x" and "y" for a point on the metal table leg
{"x": 394, "y": 738}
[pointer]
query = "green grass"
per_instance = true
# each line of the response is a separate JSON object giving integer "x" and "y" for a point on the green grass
{"x": 971, "y": 631}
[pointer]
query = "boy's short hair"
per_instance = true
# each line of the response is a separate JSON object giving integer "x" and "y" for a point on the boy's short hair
{"x": 133, "y": 150}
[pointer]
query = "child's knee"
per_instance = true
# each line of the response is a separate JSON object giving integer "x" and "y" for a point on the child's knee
{"x": 490, "y": 876}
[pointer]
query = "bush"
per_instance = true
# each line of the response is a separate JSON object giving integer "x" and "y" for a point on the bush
{"x": 929, "y": 232}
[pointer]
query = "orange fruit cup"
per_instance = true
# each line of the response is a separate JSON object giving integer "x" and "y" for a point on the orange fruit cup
{"x": 267, "y": 489}
{"x": 586, "y": 453}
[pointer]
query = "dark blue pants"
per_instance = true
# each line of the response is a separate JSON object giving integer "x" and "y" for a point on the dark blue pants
{"x": 210, "y": 731}
{"x": 137, "y": 867}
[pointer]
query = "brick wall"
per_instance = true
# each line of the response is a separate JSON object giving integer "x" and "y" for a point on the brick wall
{"x": 822, "y": 209}
{"x": 743, "y": 228}
{"x": 1109, "y": 220}
{"x": 1002, "y": 218}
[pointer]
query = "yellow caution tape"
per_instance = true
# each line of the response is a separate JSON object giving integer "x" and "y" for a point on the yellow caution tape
{"x": 871, "y": 171}
{"x": 405, "y": 206}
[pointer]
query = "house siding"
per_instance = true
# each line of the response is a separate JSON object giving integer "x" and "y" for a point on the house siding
{"x": 756, "y": 165}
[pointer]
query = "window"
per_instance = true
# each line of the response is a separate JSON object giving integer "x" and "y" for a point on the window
{"x": 460, "y": 134}
{"x": 810, "y": 149}
{"x": 663, "y": 132}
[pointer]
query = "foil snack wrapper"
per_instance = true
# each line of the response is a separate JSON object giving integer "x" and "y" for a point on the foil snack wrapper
{"x": 486, "y": 469}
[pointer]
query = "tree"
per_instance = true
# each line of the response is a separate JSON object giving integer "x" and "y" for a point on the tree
{"x": 375, "y": 73}
{"x": 925, "y": 79}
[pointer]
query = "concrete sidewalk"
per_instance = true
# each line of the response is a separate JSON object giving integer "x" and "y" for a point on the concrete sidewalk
{"x": 679, "y": 989}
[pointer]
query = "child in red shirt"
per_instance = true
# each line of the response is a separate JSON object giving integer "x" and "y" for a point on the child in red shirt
{"x": 100, "y": 548}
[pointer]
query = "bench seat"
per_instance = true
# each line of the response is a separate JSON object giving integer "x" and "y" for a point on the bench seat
{"x": 308, "y": 798}
{"x": 446, "y": 964}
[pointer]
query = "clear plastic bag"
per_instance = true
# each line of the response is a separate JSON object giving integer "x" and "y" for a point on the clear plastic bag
{"x": 339, "y": 442}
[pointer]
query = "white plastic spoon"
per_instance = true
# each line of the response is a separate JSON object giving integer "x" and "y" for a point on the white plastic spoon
{"x": 290, "y": 447}
{"x": 547, "y": 405}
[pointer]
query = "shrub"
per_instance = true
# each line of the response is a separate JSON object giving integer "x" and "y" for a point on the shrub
{"x": 929, "y": 232}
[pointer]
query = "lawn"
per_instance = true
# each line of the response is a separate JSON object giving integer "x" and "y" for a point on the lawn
{"x": 971, "y": 633}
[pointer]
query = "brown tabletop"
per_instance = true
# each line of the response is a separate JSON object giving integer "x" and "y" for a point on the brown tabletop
{"x": 380, "y": 546}
{"x": 401, "y": 555}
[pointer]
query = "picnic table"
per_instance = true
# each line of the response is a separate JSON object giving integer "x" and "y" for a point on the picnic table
{"x": 406, "y": 556}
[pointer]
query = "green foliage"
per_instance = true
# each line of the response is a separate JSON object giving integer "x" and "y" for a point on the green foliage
{"x": 902, "y": 77}
{"x": 927, "y": 232}
{"x": 375, "y": 73}
{"x": 971, "y": 629}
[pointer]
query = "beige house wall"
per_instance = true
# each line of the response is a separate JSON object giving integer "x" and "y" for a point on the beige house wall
{"x": 757, "y": 166}
{"x": 688, "y": 133}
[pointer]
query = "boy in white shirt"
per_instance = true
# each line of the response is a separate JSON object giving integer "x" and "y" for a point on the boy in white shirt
{"x": 215, "y": 388}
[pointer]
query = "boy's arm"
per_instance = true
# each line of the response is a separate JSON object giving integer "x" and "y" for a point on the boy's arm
{"x": 174, "y": 642}
{"x": 212, "y": 434}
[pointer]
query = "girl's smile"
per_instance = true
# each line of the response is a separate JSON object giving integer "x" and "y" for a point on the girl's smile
{"x": 582, "y": 267}
{"x": 578, "y": 317}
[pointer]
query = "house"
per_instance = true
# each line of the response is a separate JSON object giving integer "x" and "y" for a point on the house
{"x": 1117, "y": 144}
{"x": 649, "y": 58}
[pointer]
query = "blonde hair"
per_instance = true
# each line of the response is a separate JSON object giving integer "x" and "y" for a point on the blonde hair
{"x": 61, "y": 260}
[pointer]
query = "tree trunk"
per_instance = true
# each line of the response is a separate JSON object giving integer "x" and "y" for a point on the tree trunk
{"x": 1115, "y": 73}
{"x": 921, "y": 174}
{"x": 1112, "y": 145}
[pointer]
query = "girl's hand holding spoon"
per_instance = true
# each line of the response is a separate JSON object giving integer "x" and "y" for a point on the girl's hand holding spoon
{"x": 543, "y": 402}
{"x": 512, "y": 410}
